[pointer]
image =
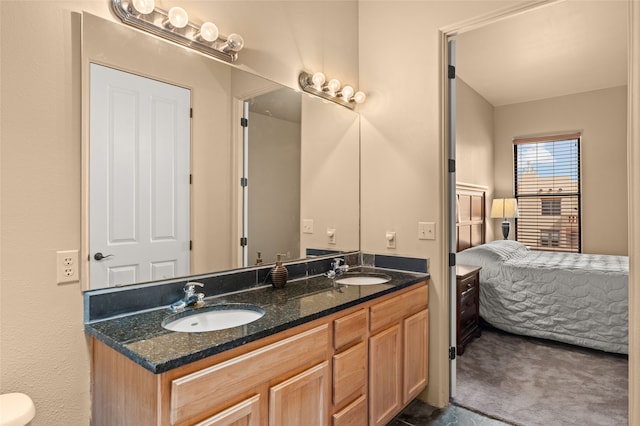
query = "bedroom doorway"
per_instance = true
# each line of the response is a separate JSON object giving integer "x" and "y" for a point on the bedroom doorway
{"x": 497, "y": 179}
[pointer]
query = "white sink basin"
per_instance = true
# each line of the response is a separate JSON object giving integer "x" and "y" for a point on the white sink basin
{"x": 363, "y": 279}
{"x": 213, "y": 318}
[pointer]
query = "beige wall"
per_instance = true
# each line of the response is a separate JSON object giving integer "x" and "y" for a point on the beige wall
{"x": 43, "y": 350}
{"x": 601, "y": 116}
{"x": 401, "y": 139}
{"x": 474, "y": 143}
{"x": 328, "y": 198}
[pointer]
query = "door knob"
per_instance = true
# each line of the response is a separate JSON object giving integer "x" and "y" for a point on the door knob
{"x": 100, "y": 256}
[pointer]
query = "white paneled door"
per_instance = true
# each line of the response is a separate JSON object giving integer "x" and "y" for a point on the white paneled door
{"x": 138, "y": 178}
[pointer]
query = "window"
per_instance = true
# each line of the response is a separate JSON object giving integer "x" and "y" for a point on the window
{"x": 551, "y": 206}
{"x": 547, "y": 187}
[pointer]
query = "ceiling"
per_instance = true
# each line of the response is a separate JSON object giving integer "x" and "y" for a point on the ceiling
{"x": 562, "y": 48}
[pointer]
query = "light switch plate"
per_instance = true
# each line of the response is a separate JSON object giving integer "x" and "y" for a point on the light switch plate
{"x": 426, "y": 231}
{"x": 391, "y": 239}
{"x": 331, "y": 235}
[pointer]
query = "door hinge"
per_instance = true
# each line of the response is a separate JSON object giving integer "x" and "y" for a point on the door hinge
{"x": 452, "y": 259}
{"x": 190, "y": 179}
{"x": 190, "y": 245}
{"x": 243, "y": 241}
{"x": 244, "y": 181}
{"x": 452, "y": 166}
{"x": 452, "y": 72}
{"x": 244, "y": 122}
{"x": 452, "y": 353}
{"x": 190, "y": 112}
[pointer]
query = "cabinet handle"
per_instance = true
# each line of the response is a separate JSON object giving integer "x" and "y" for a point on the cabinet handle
{"x": 464, "y": 293}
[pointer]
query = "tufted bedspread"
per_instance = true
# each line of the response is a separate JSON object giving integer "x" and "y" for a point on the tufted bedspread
{"x": 580, "y": 299}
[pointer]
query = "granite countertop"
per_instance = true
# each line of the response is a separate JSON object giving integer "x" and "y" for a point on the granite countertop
{"x": 141, "y": 337}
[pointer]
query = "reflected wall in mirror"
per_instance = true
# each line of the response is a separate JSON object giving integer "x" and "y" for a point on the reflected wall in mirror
{"x": 317, "y": 142}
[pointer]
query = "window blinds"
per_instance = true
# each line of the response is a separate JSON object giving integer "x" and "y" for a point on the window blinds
{"x": 547, "y": 187}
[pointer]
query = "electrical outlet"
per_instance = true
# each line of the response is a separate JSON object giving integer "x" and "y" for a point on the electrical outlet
{"x": 307, "y": 226}
{"x": 67, "y": 266}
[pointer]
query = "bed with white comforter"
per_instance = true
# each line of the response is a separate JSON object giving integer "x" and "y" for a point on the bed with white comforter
{"x": 580, "y": 299}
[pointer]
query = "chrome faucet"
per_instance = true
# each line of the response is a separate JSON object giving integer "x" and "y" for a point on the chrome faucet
{"x": 337, "y": 268}
{"x": 191, "y": 298}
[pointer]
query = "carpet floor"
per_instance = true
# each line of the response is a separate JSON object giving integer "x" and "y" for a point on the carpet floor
{"x": 533, "y": 382}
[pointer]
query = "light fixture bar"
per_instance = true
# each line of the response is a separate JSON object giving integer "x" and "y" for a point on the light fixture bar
{"x": 307, "y": 84}
{"x": 153, "y": 23}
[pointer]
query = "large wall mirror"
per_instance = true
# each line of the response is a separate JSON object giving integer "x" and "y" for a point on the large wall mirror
{"x": 178, "y": 205}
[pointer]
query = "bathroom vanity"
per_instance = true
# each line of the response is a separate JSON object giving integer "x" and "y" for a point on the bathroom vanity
{"x": 321, "y": 354}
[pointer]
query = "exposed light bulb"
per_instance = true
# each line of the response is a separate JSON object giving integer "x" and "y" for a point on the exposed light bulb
{"x": 143, "y": 7}
{"x": 333, "y": 86}
{"x": 359, "y": 97}
{"x": 347, "y": 93}
{"x": 234, "y": 43}
{"x": 318, "y": 80}
{"x": 178, "y": 17}
{"x": 208, "y": 32}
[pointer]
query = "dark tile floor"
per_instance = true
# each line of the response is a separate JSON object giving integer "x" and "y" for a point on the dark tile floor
{"x": 419, "y": 413}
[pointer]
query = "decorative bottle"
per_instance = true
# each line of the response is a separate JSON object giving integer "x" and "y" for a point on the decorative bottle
{"x": 279, "y": 273}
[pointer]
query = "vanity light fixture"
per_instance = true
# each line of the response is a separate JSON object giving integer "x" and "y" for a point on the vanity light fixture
{"x": 174, "y": 25}
{"x": 332, "y": 91}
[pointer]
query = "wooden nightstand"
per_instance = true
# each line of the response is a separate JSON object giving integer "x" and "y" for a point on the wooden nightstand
{"x": 468, "y": 304}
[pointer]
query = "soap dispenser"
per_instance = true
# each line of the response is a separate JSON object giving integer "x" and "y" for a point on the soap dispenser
{"x": 279, "y": 273}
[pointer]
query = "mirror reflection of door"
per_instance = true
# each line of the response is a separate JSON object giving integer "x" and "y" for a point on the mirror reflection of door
{"x": 140, "y": 163}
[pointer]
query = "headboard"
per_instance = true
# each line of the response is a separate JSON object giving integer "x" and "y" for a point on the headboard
{"x": 470, "y": 215}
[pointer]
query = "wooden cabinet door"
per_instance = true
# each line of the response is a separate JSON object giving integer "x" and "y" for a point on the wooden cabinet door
{"x": 416, "y": 349}
{"x": 349, "y": 374}
{"x": 385, "y": 375}
{"x": 245, "y": 413}
{"x": 302, "y": 399}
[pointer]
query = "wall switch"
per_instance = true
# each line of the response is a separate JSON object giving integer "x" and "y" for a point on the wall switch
{"x": 331, "y": 235}
{"x": 426, "y": 231}
{"x": 67, "y": 266}
{"x": 391, "y": 239}
{"x": 307, "y": 226}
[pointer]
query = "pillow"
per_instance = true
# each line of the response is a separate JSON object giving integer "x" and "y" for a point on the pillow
{"x": 506, "y": 249}
{"x": 494, "y": 251}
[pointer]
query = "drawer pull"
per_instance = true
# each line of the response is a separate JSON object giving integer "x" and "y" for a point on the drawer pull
{"x": 466, "y": 292}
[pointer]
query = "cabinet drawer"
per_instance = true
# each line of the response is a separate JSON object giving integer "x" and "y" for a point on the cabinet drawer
{"x": 350, "y": 329}
{"x": 354, "y": 414}
{"x": 349, "y": 373}
{"x": 394, "y": 310}
{"x": 195, "y": 393}
{"x": 467, "y": 283}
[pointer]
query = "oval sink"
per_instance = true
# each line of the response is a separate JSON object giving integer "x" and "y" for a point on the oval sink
{"x": 218, "y": 317}
{"x": 363, "y": 279}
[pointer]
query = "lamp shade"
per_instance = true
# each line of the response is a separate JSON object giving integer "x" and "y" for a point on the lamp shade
{"x": 504, "y": 208}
